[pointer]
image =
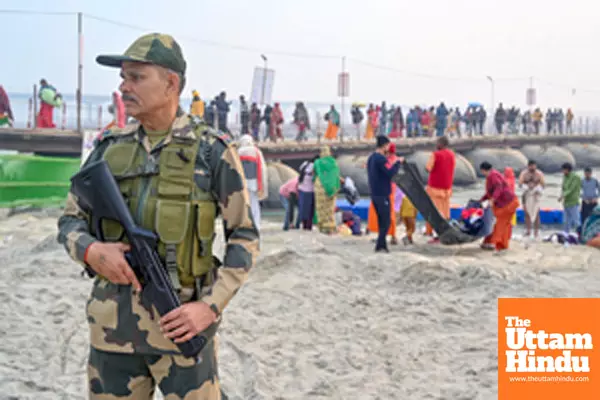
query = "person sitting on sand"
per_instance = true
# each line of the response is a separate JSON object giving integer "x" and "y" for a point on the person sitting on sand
{"x": 504, "y": 205}
{"x": 327, "y": 184}
{"x": 441, "y": 166}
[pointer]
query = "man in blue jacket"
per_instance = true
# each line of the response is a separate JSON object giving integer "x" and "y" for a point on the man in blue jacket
{"x": 380, "y": 173}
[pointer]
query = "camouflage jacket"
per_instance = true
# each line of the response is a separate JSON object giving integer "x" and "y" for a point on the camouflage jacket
{"x": 119, "y": 319}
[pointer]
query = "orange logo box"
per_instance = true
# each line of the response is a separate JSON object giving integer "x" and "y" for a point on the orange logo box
{"x": 547, "y": 349}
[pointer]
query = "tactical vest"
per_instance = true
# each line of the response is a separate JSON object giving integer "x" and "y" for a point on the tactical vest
{"x": 163, "y": 196}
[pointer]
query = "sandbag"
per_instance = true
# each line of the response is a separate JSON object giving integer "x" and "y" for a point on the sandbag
{"x": 278, "y": 174}
{"x": 354, "y": 167}
{"x": 499, "y": 158}
{"x": 585, "y": 154}
{"x": 510, "y": 158}
{"x": 464, "y": 174}
{"x": 549, "y": 159}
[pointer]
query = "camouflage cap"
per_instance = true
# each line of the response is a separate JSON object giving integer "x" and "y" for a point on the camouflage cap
{"x": 153, "y": 48}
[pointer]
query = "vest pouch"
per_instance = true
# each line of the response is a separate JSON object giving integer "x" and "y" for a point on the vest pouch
{"x": 120, "y": 157}
{"x": 205, "y": 229}
{"x": 112, "y": 230}
{"x": 176, "y": 172}
{"x": 172, "y": 221}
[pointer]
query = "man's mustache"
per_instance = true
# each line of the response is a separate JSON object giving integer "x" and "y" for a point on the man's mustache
{"x": 127, "y": 97}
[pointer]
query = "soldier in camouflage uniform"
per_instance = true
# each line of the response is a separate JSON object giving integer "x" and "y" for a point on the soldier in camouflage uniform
{"x": 176, "y": 176}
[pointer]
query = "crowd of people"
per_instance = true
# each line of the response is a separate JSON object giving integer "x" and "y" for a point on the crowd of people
{"x": 215, "y": 114}
{"x": 390, "y": 207}
{"x": 376, "y": 120}
{"x": 443, "y": 121}
{"x": 390, "y": 121}
{"x": 514, "y": 121}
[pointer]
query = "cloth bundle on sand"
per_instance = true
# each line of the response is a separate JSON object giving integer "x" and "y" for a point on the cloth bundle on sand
{"x": 562, "y": 238}
{"x": 476, "y": 220}
{"x": 350, "y": 191}
{"x": 353, "y": 222}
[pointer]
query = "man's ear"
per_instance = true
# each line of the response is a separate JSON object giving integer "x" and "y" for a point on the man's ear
{"x": 173, "y": 83}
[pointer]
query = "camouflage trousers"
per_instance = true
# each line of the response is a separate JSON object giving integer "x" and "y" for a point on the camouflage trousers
{"x": 115, "y": 376}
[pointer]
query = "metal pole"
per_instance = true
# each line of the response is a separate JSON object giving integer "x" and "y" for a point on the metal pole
{"x": 79, "y": 69}
{"x": 493, "y": 107}
{"x": 35, "y": 95}
{"x": 343, "y": 93}
{"x": 532, "y": 99}
{"x": 493, "y": 97}
{"x": 264, "y": 81}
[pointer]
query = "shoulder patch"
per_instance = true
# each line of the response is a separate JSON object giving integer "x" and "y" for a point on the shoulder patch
{"x": 116, "y": 133}
{"x": 225, "y": 138}
{"x": 213, "y": 135}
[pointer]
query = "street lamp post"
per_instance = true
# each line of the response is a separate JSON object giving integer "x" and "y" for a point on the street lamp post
{"x": 493, "y": 106}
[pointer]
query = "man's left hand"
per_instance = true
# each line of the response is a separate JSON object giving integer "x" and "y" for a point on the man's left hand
{"x": 186, "y": 321}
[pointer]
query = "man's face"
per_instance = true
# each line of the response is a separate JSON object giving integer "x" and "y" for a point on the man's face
{"x": 588, "y": 175}
{"x": 484, "y": 172}
{"x": 532, "y": 168}
{"x": 145, "y": 88}
{"x": 565, "y": 172}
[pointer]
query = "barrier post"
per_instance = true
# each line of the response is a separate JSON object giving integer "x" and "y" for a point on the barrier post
{"x": 35, "y": 106}
{"x": 318, "y": 127}
{"x": 64, "y": 116}
{"x": 100, "y": 117}
{"x": 29, "y": 112}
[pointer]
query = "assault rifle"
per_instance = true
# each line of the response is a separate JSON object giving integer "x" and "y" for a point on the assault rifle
{"x": 98, "y": 193}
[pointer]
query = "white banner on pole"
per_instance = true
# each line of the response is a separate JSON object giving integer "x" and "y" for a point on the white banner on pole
{"x": 344, "y": 84}
{"x": 531, "y": 100}
{"x": 262, "y": 86}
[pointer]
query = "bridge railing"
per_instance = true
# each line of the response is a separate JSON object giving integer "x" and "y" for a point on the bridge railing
{"x": 94, "y": 116}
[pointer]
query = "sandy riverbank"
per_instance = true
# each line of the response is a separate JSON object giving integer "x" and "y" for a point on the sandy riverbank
{"x": 321, "y": 317}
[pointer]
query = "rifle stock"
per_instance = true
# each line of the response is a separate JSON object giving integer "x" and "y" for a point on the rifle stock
{"x": 99, "y": 194}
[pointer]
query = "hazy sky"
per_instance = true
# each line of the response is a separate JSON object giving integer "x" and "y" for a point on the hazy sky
{"x": 459, "y": 42}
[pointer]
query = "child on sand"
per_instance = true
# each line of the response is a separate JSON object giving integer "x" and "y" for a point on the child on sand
{"x": 407, "y": 213}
